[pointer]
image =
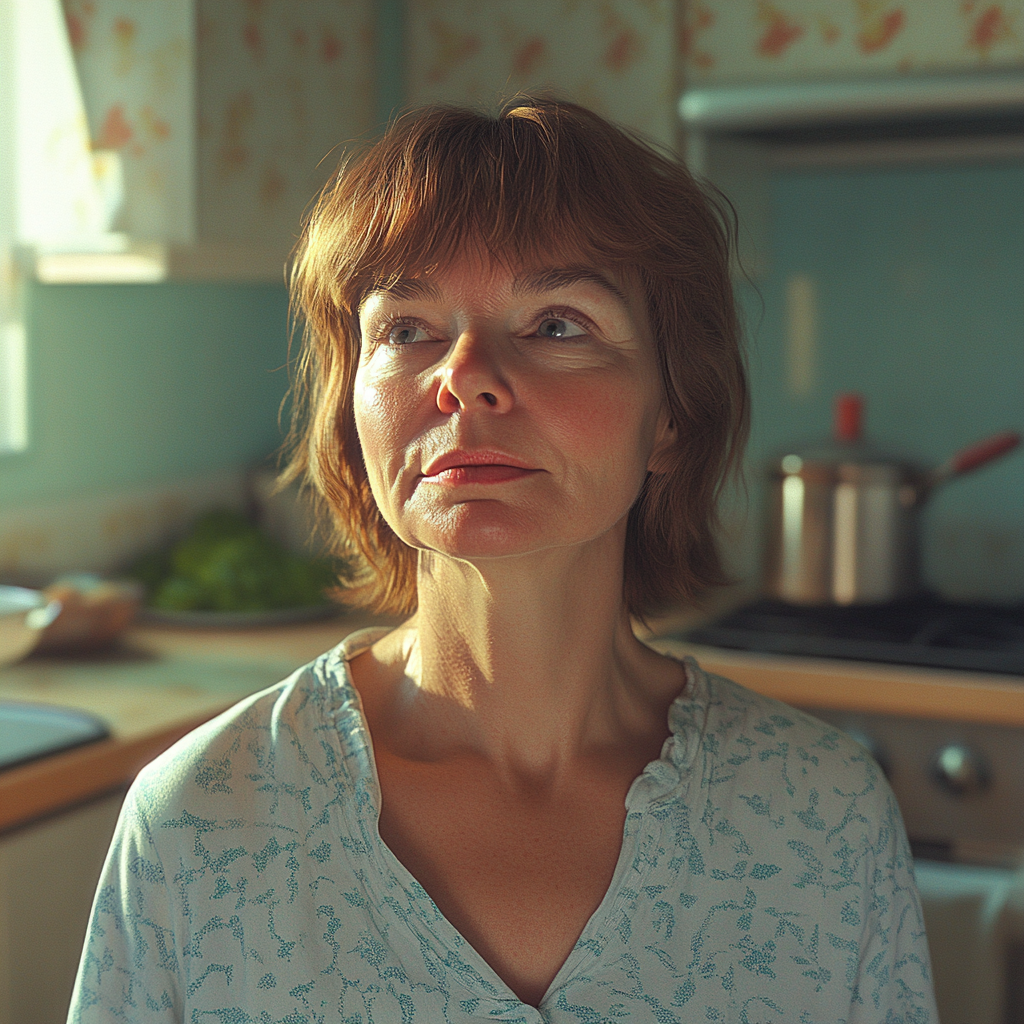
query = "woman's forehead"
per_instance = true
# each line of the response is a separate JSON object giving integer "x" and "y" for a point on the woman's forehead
{"x": 550, "y": 271}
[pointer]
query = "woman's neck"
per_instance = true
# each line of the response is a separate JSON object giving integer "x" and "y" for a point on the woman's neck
{"x": 530, "y": 662}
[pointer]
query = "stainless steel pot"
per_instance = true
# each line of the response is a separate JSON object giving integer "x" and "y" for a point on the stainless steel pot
{"x": 843, "y": 517}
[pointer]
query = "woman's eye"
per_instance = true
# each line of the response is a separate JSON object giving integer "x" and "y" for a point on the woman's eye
{"x": 406, "y": 334}
{"x": 556, "y": 327}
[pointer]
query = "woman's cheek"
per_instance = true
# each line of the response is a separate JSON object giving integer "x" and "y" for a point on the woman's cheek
{"x": 602, "y": 420}
{"x": 376, "y": 415}
{"x": 381, "y": 404}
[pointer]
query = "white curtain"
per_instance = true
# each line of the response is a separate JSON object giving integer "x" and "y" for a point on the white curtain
{"x": 63, "y": 199}
{"x": 56, "y": 193}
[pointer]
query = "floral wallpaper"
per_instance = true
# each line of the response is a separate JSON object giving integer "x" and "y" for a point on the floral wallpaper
{"x": 628, "y": 59}
{"x": 758, "y": 40}
{"x": 619, "y": 57}
{"x": 223, "y": 110}
{"x": 280, "y": 85}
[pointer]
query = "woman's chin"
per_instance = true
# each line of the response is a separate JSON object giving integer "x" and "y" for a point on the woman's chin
{"x": 479, "y": 534}
{"x": 471, "y": 545}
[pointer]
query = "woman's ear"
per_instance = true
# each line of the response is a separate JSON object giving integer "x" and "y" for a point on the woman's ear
{"x": 664, "y": 441}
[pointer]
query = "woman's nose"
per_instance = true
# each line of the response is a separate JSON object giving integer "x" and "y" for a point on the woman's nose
{"x": 472, "y": 377}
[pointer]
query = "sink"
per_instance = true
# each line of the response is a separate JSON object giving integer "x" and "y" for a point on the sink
{"x": 29, "y": 731}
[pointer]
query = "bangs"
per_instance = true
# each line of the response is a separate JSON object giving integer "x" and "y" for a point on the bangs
{"x": 510, "y": 188}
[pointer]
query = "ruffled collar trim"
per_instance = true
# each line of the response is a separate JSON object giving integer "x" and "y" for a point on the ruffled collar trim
{"x": 660, "y": 779}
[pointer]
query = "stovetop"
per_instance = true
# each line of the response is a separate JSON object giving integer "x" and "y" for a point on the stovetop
{"x": 925, "y": 631}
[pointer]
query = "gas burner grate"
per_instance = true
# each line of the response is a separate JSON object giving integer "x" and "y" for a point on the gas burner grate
{"x": 926, "y": 632}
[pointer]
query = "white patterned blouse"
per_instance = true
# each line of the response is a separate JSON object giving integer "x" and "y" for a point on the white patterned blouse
{"x": 764, "y": 877}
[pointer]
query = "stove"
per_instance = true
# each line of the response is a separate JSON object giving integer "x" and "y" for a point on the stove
{"x": 925, "y": 631}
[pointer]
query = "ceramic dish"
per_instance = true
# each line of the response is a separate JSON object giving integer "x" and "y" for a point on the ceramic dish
{"x": 24, "y": 615}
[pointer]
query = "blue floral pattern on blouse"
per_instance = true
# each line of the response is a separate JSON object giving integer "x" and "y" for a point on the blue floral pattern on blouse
{"x": 764, "y": 878}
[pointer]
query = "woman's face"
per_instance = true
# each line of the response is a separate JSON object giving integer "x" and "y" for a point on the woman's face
{"x": 504, "y": 412}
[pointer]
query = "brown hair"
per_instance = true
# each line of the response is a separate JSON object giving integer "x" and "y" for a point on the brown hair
{"x": 542, "y": 176}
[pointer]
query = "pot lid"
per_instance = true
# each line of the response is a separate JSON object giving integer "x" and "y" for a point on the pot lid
{"x": 847, "y": 449}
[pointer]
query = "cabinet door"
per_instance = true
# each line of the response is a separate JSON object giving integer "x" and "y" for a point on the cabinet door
{"x": 752, "y": 41}
{"x": 48, "y": 876}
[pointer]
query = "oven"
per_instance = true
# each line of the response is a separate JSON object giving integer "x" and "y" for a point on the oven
{"x": 935, "y": 691}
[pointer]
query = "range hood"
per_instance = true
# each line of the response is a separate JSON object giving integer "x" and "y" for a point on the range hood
{"x": 948, "y": 105}
{"x": 736, "y": 135}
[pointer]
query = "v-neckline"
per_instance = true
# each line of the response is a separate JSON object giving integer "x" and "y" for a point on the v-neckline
{"x": 591, "y": 940}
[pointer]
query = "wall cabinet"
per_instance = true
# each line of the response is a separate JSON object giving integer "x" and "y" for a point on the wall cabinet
{"x": 751, "y": 41}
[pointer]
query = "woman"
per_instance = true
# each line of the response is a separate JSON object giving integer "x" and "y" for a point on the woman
{"x": 520, "y": 391}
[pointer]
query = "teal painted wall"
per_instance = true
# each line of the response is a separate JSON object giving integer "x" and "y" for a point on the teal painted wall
{"x": 920, "y": 285}
{"x": 390, "y": 59}
{"x": 140, "y": 383}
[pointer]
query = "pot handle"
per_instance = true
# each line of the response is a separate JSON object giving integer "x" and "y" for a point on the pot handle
{"x": 975, "y": 455}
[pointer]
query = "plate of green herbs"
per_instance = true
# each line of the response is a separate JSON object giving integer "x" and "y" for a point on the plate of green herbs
{"x": 227, "y": 572}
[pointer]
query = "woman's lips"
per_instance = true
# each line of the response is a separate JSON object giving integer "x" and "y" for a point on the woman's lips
{"x": 482, "y": 467}
{"x": 486, "y": 474}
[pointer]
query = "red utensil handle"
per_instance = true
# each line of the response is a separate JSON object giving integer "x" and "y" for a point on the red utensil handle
{"x": 984, "y": 451}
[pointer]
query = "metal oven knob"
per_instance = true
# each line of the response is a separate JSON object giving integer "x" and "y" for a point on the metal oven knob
{"x": 960, "y": 769}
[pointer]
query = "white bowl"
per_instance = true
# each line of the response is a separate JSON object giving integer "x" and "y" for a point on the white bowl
{"x": 24, "y": 614}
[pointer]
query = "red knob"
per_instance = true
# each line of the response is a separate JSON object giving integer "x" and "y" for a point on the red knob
{"x": 849, "y": 411}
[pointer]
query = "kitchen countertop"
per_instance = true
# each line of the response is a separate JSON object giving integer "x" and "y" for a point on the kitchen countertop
{"x": 164, "y": 681}
{"x": 869, "y": 688}
{"x": 158, "y": 685}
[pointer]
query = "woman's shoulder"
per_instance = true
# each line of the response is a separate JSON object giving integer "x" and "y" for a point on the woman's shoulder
{"x": 733, "y": 713}
{"x": 306, "y": 727}
{"x": 792, "y": 800}
{"x": 764, "y": 750}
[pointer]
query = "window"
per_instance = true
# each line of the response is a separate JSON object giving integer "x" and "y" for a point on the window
{"x": 58, "y": 196}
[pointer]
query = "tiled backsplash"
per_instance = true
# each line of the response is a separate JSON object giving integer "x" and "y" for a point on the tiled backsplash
{"x": 916, "y": 278}
{"x": 130, "y": 384}
{"x": 101, "y": 533}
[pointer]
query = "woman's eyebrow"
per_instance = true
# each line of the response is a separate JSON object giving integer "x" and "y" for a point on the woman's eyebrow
{"x": 405, "y": 288}
{"x": 537, "y": 281}
{"x": 559, "y": 277}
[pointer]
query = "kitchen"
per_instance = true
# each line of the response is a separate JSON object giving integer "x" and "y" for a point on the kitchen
{"x": 862, "y": 285}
